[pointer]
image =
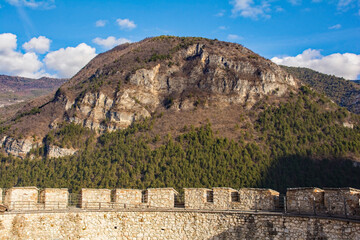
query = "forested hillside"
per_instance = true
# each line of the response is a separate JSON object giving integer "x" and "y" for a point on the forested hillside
{"x": 298, "y": 143}
{"x": 344, "y": 92}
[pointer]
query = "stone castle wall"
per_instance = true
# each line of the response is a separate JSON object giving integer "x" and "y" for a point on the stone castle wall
{"x": 343, "y": 202}
{"x": 21, "y": 198}
{"x": 161, "y": 197}
{"x": 329, "y": 201}
{"x": 127, "y": 197}
{"x": 171, "y": 225}
{"x": 305, "y": 200}
{"x": 229, "y": 198}
{"x": 95, "y": 198}
{"x": 54, "y": 198}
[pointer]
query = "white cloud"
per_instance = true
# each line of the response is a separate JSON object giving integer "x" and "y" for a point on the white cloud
{"x": 110, "y": 42}
{"x": 223, "y": 28}
{"x": 100, "y": 23}
{"x": 247, "y": 9}
{"x": 220, "y": 14}
{"x": 45, "y": 4}
{"x": 295, "y": 2}
{"x": 345, "y": 5}
{"x": 234, "y": 37}
{"x": 337, "y": 26}
{"x": 126, "y": 23}
{"x": 7, "y": 42}
{"x": 345, "y": 65}
{"x": 66, "y": 62}
{"x": 16, "y": 63}
{"x": 39, "y": 45}
{"x": 279, "y": 9}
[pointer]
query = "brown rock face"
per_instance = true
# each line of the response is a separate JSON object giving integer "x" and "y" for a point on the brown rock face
{"x": 132, "y": 81}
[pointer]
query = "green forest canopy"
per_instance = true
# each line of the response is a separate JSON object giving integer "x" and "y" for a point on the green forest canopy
{"x": 296, "y": 144}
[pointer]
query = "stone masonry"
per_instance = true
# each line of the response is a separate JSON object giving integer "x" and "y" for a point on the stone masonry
{"x": 305, "y": 200}
{"x": 335, "y": 200}
{"x": 257, "y": 199}
{"x": 182, "y": 224}
{"x": 228, "y": 198}
{"x": 161, "y": 197}
{"x": 54, "y": 198}
{"x": 195, "y": 198}
{"x": 22, "y": 198}
{"x": 95, "y": 198}
{"x": 127, "y": 197}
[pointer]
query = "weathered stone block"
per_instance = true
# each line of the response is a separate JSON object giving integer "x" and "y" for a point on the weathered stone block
{"x": 257, "y": 199}
{"x": 222, "y": 197}
{"x": 305, "y": 200}
{"x": 127, "y": 198}
{"x": 54, "y": 198}
{"x": 161, "y": 197}
{"x": 22, "y": 198}
{"x": 342, "y": 201}
{"x": 197, "y": 198}
{"x": 95, "y": 198}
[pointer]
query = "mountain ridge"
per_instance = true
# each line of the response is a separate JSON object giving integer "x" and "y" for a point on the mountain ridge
{"x": 134, "y": 81}
{"x": 14, "y": 89}
{"x": 344, "y": 92}
{"x": 177, "y": 112}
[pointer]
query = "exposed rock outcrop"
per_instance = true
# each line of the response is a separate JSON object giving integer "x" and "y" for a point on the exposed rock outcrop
{"x": 133, "y": 81}
{"x": 56, "y": 152}
{"x": 225, "y": 81}
{"x": 17, "y": 147}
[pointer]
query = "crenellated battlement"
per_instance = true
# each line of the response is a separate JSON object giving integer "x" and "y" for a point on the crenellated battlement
{"x": 342, "y": 202}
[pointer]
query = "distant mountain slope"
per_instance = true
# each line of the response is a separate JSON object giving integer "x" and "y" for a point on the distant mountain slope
{"x": 179, "y": 112}
{"x": 19, "y": 89}
{"x": 344, "y": 92}
{"x": 356, "y": 81}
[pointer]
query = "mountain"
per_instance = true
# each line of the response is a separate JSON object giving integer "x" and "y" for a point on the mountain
{"x": 134, "y": 81}
{"x": 181, "y": 112}
{"x": 19, "y": 89}
{"x": 356, "y": 81}
{"x": 344, "y": 92}
{"x": 19, "y": 94}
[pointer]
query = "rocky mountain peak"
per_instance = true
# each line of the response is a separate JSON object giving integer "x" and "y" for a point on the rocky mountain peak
{"x": 133, "y": 81}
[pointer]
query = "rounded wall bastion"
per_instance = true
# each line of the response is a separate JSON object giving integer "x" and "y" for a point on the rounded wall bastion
{"x": 195, "y": 213}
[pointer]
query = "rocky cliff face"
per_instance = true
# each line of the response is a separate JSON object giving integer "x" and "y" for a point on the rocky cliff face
{"x": 16, "y": 147}
{"x": 133, "y": 81}
{"x": 215, "y": 78}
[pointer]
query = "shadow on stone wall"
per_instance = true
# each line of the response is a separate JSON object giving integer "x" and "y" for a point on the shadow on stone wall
{"x": 253, "y": 229}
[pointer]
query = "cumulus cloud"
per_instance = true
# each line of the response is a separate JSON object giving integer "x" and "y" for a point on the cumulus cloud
{"x": 248, "y": 9}
{"x": 68, "y": 61}
{"x": 220, "y": 14}
{"x": 345, "y": 65}
{"x": 45, "y": 4}
{"x": 126, "y": 23}
{"x": 100, "y": 23}
{"x": 110, "y": 42}
{"x": 39, "y": 45}
{"x": 295, "y": 2}
{"x": 7, "y": 42}
{"x": 345, "y": 5}
{"x": 337, "y": 26}
{"x": 234, "y": 37}
{"x": 16, "y": 63}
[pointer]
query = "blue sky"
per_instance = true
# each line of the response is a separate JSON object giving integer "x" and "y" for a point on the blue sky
{"x": 57, "y": 37}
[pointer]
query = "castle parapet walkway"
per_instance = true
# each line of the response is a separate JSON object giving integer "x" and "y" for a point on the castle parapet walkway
{"x": 327, "y": 202}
